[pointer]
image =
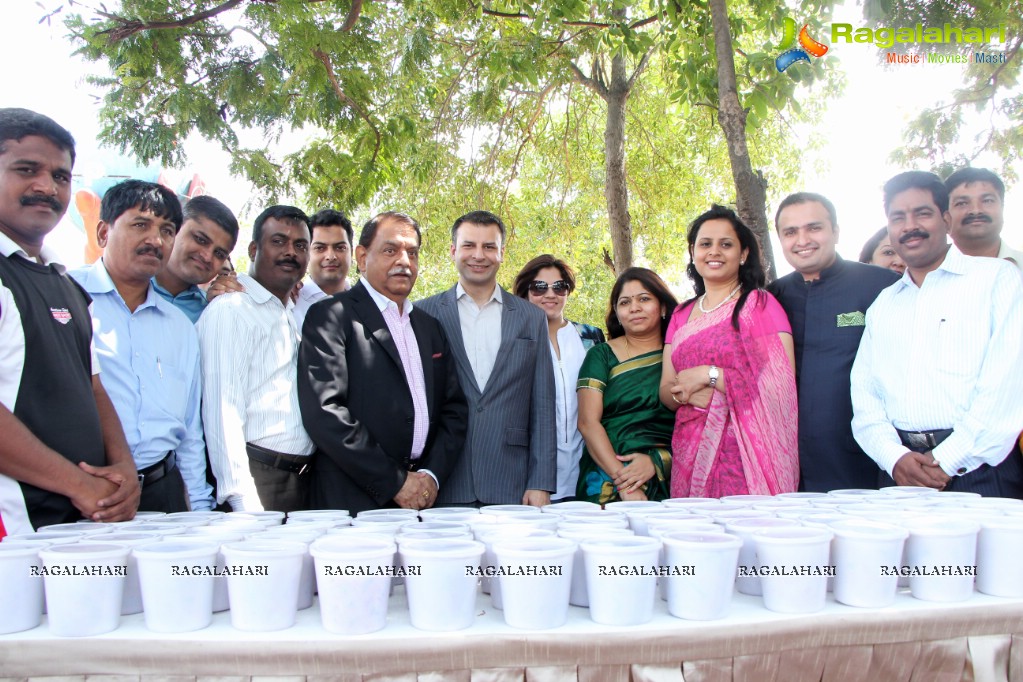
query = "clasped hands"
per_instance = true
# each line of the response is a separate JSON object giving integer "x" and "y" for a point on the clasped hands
{"x": 636, "y": 470}
{"x": 418, "y": 492}
{"x": 110, "y": 493}
{"x": 916, "y": 468}
{"x": 690, "y": 387}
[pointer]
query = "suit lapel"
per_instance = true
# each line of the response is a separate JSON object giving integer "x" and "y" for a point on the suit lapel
{"x": 451, "y": 322}
{"x": 373, "y": 321}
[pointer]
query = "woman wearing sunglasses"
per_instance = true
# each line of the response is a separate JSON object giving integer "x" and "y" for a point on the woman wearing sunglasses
{"x": 546, "y": 282}
{"x": 626, "y": 428}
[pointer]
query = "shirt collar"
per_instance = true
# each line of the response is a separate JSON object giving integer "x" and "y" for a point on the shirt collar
{"x": 258, "y": 292}
{"x": 97, "y": 280}
{"x": 955, "y": 263}
{"x": 833, "y": 269}
{"x": 383, "y": 302}
{"x": 1010, "y": 254}
{"x": 9, "y": 247}
{"x": 193, "y": 291}
{"x": 496, "y": 296}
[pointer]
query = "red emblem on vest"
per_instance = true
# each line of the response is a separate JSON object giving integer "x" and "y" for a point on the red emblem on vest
{"x": 62, "y": 315}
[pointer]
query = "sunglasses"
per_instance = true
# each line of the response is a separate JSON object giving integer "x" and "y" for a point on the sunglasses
{"x": 539, "y": 287}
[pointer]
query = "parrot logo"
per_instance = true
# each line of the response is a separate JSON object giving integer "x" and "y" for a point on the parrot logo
{"x": 792, "y": 53}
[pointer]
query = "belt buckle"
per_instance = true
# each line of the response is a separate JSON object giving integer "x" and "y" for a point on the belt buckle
{"x": 303, "y": 469}
{"x": 142, "y": 479}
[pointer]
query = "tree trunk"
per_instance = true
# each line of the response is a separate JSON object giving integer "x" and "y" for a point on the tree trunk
{"x": 750, "y": 186}
{"x": 616, "y": 189}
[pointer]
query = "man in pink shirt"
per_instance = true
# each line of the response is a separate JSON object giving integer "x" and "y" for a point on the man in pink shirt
{"x": 377, "y": 384}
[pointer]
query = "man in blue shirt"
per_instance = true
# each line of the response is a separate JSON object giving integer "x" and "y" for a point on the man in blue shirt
{"x": 826, "y": 299}
{"x": 148, "y": 349}
{"x": 202, "y": 247}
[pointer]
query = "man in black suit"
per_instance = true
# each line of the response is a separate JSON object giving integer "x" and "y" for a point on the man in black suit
{"x": 377, "y": 384}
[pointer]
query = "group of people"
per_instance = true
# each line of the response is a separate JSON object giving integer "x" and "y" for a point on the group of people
{"x": 128, "y": 384}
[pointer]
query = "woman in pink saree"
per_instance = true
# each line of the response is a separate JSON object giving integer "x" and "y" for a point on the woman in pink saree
{"x": 728, "y": 371}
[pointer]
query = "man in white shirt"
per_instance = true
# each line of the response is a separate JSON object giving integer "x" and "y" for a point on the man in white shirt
{"x": 976, "y": 204}
{"x": 330, "y": 259}
{"x": 938, "y": 375}
{"x": 258, "y": 449}
{"x": 504, "y": 366}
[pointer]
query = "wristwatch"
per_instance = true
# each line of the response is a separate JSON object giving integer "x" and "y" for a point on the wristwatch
{"x": 714, "y": 373}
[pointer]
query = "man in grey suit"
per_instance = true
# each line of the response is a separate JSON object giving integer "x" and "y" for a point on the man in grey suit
{"x": 500, "y": 346}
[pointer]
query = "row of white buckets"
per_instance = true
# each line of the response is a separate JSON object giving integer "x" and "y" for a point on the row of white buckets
{"x": 533, "y": 574}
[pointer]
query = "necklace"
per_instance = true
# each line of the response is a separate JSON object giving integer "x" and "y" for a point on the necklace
{"x": 628, "y": 350}
{"x": 724, "y": 301}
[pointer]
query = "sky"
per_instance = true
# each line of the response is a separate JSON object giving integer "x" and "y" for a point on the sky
{"x": 860, "y": 129}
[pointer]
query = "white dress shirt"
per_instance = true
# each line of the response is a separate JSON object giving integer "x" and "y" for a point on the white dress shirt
{"x": 948, "y": 354}
{"x": 1006, "y": 252}
{"x": 570, "y": 441}
{"x": 309, "y": 293}
{"x": 481, "y": 332}
{"x": 249, "y": 345}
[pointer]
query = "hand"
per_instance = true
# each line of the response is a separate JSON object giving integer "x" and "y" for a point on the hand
{"x": 915, "y": 468}
{"x": 637, "y": 496}
{"x": 636, "y": 470}
{"x": 418, "y": 491}
{"x": 536, "y": 498}
{"x": 691, "y": 380}
{"x": 223, "y": 284}
{"x": 89, "y": 491}
{"x": 122, "y": 503}
{"x": 702, "y": 397}
{"x": 294, "y": 291}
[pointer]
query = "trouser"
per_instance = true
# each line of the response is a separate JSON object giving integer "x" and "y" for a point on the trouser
{"x": 163, "y": 488}
{"x": 282, "y": 480}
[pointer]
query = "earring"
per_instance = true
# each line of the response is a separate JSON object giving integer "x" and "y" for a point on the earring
{"x": 742, "y": 262}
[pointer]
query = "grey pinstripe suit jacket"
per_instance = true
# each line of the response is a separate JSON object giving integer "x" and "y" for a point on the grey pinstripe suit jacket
{"x": 511, "y": 444}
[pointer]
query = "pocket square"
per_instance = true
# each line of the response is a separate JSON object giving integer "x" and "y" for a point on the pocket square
{"x": 435, "y": 356}
{"x": 853, "y": 319}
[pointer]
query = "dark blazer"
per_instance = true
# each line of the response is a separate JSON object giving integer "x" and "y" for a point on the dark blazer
{"x": 511, "y": 445}
{"x": 357, "y": 407}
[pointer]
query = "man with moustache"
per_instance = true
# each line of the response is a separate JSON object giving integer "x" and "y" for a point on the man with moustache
{"x": 826, "y": 299}
{"x": 505, "y": 368}
{"x": 201, "y": 249}
{"x": 377, "y": 383}
{"x": 976, "y": 203}
{"x": 258, "y": 449}
{"x": 63, "y": 454}
{"x": 936, "y": 382}
{"x": 330, "y": 259}
{"x": 148, "y": 349}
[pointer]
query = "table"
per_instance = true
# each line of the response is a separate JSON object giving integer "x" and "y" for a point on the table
{"x": 980, "y": 639}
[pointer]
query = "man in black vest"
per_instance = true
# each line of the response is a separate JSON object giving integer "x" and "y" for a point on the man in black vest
{"x": 63, "y": 453}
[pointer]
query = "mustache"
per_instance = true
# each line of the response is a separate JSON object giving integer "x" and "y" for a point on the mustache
{"x": 149, "y": 250}
{"x": 287, "y": 261}
{"x": 400, "y": 271}
{"x": 41, "y": 200}
{"x": 915, "y": 234}
{"x": 977, "y": 218}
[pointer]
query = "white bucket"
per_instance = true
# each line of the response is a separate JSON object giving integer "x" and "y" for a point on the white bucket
{"x": 621, "y": 578}
{"x": 535, "y": 577}
{"x": 868, "y": 559}
{"x": 177, "y": 584}
{"x": 744, "y": 528}
{"x": 705, "y": 592}
{"x": 353, "y": 577}
{"x": 579, "y": 595}
{"x": 132, "y": 601}
{"x": 21, "y": 588}
{"x": 571, "y": 505}
{"x": 442, "y": 593}
{"x": 488, "y": 536}
{"x": 221, "y": 598}
{"x": 263, "y": 579}
{"x": 941, "y": 555}
{"x": 999, "y": 557}
{"x": 792, "y": 550}
{"x": 84, "y": 587}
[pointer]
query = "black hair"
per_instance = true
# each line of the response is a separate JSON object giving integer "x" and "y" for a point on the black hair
{"x": 328, "y": 217}
{"x": 288, "y": 214}
{"x": 145, "y": 196}
{"x": 369, "y": 230}
{"x": 916, "y": 180}
{"x": 528, "y": 273}
{"x": 803, "y": 198}
{"x": 752, "y": 275}
{"x": 17, "y": 124}
{"x": 965, "y": 176}
{"x": 479, "y": 218}
{"x": 215, "y": 211}
{"x": 867, "y": 254}
{"x": 654, "y": 284}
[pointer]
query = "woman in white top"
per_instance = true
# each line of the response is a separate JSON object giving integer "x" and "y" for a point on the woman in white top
{"x": 546, "y": 282}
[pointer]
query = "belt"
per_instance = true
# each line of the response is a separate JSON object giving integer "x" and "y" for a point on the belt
{"x": 152, "y": 474}
{"x": 295, "y": 464}
{"x": 927, "y": 440}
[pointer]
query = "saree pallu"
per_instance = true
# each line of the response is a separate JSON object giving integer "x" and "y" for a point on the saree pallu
{"x": 634, "y": 419}
{"x": 745, "y": 441}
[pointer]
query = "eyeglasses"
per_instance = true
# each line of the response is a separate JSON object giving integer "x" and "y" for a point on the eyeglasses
{"x": 539, "y": 287}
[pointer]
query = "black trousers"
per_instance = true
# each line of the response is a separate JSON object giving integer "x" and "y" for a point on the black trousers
{"x": 280, "y": 490}
{"x": 168, "y": 494}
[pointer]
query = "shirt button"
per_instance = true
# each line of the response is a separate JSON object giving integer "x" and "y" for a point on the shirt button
{"x": 479, "y": 408}
{"x": 961, "y": 470}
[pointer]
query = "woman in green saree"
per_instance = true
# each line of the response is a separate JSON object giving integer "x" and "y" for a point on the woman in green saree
{"x": 626, "y": 429}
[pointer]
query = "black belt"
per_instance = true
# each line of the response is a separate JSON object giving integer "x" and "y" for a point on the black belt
{"x": 295, "y": 464}
{"x": 923, "y": 440}
{"x": 152, "y": 474}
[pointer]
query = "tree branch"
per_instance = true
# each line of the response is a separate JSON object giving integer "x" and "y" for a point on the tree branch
{"x": 639, "y": 67}
{"x": 592, "y": 83}
{"x": 353, "y": 16}
{"x": 363, "y": 114}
